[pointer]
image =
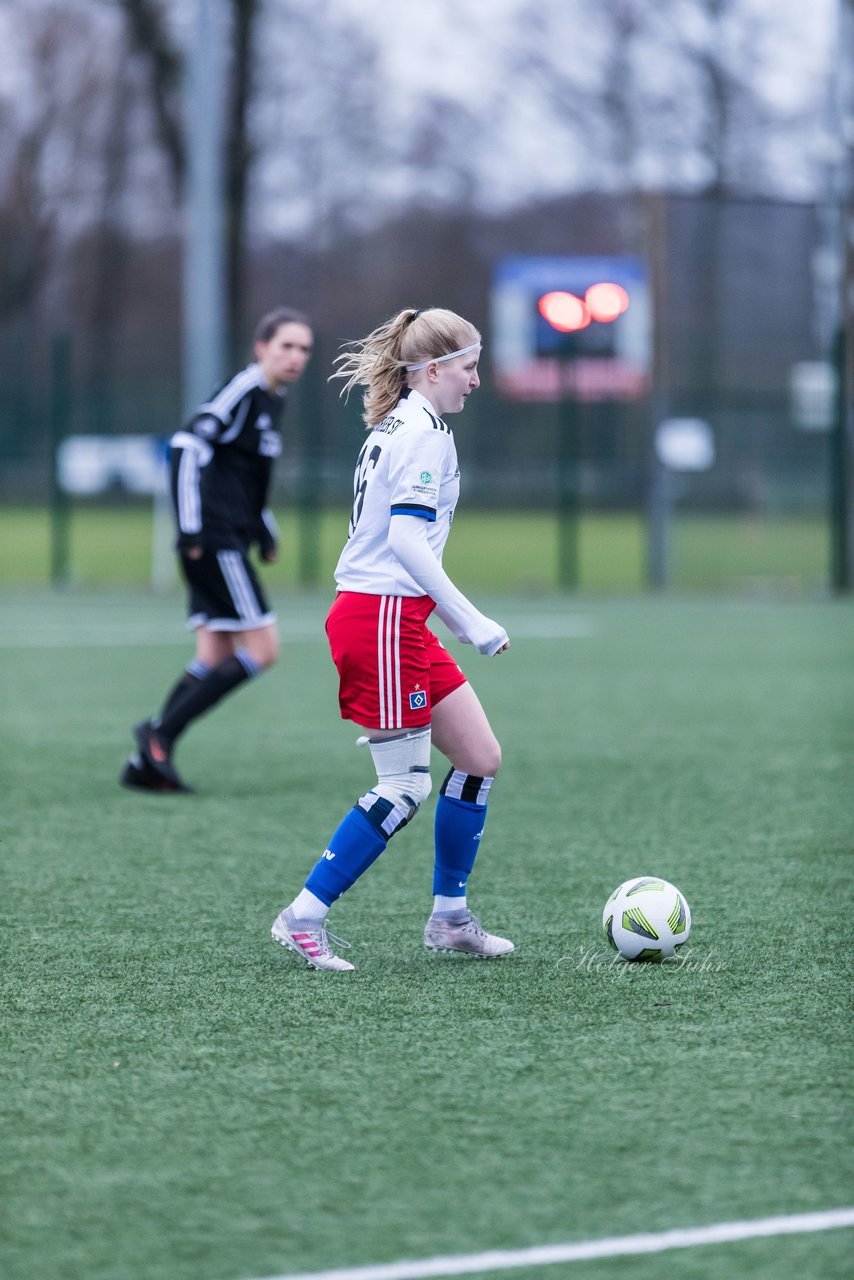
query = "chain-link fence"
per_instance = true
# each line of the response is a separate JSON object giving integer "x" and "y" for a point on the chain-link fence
{"x": 734, "y": 320}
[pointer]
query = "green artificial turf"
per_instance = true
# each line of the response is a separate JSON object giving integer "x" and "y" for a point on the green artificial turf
{"x": 182, "y": 1100}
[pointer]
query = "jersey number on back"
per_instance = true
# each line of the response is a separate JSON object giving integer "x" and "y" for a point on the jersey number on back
{"x": 365, "y": 463}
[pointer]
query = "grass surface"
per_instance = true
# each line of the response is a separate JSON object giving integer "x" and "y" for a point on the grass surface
{"x": 181, "y": 1100}
{"x": 515, "y": 551}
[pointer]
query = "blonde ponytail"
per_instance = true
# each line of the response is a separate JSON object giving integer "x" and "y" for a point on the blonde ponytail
{"x": 379, "y": 361}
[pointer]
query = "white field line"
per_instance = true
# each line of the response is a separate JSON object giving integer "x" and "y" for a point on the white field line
{"x": 611, "y": 1247}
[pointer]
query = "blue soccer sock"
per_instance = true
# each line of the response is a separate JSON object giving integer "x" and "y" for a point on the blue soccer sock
{"x": 403, "y": 781}
{"x": 460, "y": 819}
{"x": 354, "y": 846}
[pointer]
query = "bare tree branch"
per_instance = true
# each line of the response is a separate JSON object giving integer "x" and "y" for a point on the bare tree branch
{"x": 151, "y": 40}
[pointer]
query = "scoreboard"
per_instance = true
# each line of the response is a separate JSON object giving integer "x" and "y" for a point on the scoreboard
{"x": 571, "y": 327}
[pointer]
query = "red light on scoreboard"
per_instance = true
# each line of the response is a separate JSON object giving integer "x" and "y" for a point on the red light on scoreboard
{"x": 563, "y": 311}
{"x": 606, "y": 301}
{"x": 572, "y": 327}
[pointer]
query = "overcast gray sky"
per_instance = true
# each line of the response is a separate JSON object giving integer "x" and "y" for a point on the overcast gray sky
{"x": 447, "y": 43}
{"x": 458, "y": 48}
{"x": 523, "y": 149}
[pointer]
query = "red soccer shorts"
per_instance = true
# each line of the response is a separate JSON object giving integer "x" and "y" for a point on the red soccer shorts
{"x": 392, "y": 669}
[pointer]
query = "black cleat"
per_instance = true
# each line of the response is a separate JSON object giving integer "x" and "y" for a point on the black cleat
{"x": 156, "y": 756}
{"x": 138, "y": 777}
{"x": 136, "y": 774}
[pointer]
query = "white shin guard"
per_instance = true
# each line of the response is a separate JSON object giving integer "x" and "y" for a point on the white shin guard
{"x": 403, "y": 780}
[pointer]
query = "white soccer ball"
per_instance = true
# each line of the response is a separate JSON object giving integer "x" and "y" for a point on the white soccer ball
{"x": 646, "y": 919}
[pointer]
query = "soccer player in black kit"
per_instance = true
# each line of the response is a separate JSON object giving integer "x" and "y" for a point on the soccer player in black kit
{"x": 221, "y": 464}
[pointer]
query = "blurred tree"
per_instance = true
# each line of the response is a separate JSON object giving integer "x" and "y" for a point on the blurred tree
{"x": 53, "y": 174}
{"x": 46, "y": 131}
{"x": 301, "y": 129}
{"x": 720, "y": 48}
{"x": 319, "y": 121}
{"x": 680, "y": 95}
{"x": 94, "y": 138}
{"x": 153, "y": 41}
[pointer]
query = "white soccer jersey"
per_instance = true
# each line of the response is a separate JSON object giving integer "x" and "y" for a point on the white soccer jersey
{"x": 407, "y": 469}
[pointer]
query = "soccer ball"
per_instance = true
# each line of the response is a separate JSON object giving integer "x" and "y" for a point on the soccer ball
{"x": 646, "y": 919}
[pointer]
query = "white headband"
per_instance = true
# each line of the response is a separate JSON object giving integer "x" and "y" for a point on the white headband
{"x": 452, "y": 355}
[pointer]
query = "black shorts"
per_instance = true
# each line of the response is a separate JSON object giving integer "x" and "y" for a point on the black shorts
{"x": 224, "y": 592}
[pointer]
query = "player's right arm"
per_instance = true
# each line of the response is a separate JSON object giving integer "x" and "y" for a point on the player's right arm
{"x": 189, "y": 456}
{"x": 192, "y": 449}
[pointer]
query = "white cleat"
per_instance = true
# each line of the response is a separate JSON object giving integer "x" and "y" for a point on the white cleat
{"x": 309, "y": 939}
{"x": 464, "y": 934}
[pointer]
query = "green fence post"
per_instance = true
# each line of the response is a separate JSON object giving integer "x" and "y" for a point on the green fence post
{"x": 60, "y": 416}
{"x": 309, "y": 485}
{"x": 840, "y": 477}
{"x": 568, "y": 461}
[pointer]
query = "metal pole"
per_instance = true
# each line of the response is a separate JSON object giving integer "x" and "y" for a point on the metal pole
{"x": 842, "y": 443}
{"x": 833, "y": 302}
{"x": 204, "y": 257}
{"x": 203, "y": 282}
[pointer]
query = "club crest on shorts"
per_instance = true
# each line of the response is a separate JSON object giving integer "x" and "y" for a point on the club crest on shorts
{"x": 418, "y": 699}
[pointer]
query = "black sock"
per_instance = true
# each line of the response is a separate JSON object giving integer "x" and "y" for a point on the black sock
{"x": 177, "y": 694}
{"x": 206, "y": 693}
{"x": 195, "y": 671}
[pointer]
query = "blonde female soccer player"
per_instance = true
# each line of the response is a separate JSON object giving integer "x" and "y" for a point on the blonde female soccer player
{"x": 397, "y": 682}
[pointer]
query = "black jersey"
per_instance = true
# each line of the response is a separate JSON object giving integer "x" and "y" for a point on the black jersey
{"x": 221, "y": 465}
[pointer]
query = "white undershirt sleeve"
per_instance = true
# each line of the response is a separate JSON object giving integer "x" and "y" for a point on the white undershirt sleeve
{"x": 407, "y": 540}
